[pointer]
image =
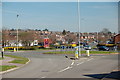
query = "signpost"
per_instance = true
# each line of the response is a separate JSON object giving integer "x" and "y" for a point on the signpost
{"x": 46, "y": 43}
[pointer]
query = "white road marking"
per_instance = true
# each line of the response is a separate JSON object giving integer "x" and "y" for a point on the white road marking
{"x": 83, "y": 62}
{"x": 80, "y": 63}
{"x": 65, "y": 69}
{"x": 43, "y": 77}
{"x": 72, "y": 63}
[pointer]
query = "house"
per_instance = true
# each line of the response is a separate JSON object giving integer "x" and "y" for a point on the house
{"x": 117, "y": 40}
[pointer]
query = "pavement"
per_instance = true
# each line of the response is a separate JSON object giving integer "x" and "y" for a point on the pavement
{"x": 43, "y": 66}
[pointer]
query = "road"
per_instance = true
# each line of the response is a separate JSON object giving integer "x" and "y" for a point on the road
{"x": 57, "y": 66}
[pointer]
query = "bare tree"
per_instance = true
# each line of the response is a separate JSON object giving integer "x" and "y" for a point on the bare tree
{"x": 53, "y": 38}
{"x": 26, "y": 37}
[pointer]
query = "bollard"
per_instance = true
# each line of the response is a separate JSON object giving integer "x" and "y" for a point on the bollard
{"x": 88, "y": 52}
{"x": 14, "y": 49}
{"x": 2, "y": 52}
{"x": 76, "y": 53}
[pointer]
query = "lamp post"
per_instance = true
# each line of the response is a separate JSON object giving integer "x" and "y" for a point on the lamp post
{"x": 17, "y": 33}
{"x": 79, "y": 51}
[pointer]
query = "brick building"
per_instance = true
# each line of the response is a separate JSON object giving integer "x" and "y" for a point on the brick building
{"x": 117, "y": 40}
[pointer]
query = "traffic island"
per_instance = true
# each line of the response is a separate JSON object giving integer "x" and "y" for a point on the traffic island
{"x": 11, "y": 62}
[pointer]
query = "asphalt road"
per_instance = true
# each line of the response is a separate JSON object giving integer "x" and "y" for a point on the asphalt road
{"x": 57, "y": 66}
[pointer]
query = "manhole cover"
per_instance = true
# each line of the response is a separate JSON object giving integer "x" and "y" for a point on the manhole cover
{"x": 45, "y": 71}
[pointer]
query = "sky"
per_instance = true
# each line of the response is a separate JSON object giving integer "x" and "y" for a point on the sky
{"x": 57, "y": 16}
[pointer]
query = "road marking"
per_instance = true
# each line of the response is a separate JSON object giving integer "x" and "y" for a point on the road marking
{"x": 43, "y": 77}
{"x": 65, "y": 69}
{"x": 80, "y": 63}
{"x": 72, "y": 63}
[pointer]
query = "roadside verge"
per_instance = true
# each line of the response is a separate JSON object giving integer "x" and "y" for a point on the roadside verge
{"x": 10, "y": 63}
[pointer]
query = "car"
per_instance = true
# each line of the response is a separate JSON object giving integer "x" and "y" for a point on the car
{"x": 104, "y": 48}
{"x": 87, "y": 47}
{"x": 78, "y": 47}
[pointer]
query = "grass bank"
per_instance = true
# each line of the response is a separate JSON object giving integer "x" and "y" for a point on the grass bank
{"x": 6, "y": 67}
{"x": 1, "y": 58}
{"x": 33, "y": 49}
{"x": 19, "y": 60}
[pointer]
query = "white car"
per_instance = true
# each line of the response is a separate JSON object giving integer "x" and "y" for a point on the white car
{"x": 87, "y": 47}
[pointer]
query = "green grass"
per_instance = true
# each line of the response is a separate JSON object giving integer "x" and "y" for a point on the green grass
{"x": 33, "y": 50}
{"x": 101, "y": 52}
{"x": 9, "y": 50}
{"x": 6, "y": 67}
{"x": 73, "y": 52}
{"x": 1, "y": 58}
{"x": 20, "y": 60}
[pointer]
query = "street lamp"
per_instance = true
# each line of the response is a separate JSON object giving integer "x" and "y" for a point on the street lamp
{"x": 17, "y": 32}
{"x": 79, "y": 52}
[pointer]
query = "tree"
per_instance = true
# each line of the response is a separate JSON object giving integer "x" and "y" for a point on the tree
{"x": 106, "y": 30}
{"x": 12, "y": 29}
{"x": 64, "y": 32}
{"x": 45, "y": 30}
{"x": 70, "y": 38}
{"x": 26, "y": 37}
{"x": 53, "y": 38}
{"x": 5, "y": 37}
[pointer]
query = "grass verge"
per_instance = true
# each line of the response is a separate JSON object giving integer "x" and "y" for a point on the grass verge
{"x": 73, "y": 52}
{"x": 6, "y": 67}
{"x": 19, "y": 60}
{"x": 33, "y": 50}
{"x": 1, "y": 58}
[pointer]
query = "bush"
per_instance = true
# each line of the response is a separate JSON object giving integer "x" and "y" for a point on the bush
{"x": 22, "y": 48}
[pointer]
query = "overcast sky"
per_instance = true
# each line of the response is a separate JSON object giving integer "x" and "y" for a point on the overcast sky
{"x": 56, "y": 16}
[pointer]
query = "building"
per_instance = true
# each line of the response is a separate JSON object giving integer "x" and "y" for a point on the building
{"x": 117, "y": 40}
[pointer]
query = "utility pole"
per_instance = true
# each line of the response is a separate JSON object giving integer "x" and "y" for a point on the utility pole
{"x": 17, "y": 32}
{"x": 79, "y": 51}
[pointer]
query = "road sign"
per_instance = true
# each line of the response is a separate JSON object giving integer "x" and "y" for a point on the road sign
{"x": 46, "y": 42}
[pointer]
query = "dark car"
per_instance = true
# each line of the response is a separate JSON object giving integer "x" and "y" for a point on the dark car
{"x": 104, "y": 48}
{"x": 87, "y": 47}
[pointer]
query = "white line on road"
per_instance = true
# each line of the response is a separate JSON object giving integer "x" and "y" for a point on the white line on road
{"x": 65, "y": 69}
{"x": 80, "y": 63}
{"x": 72, "y": 63}
{"x": 43, "y": 77}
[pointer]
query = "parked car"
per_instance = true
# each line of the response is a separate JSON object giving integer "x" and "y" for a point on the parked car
{"x": 104, "y": 48}
{"x": 87, "y": 47}
{"x": 78, "y": 47}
